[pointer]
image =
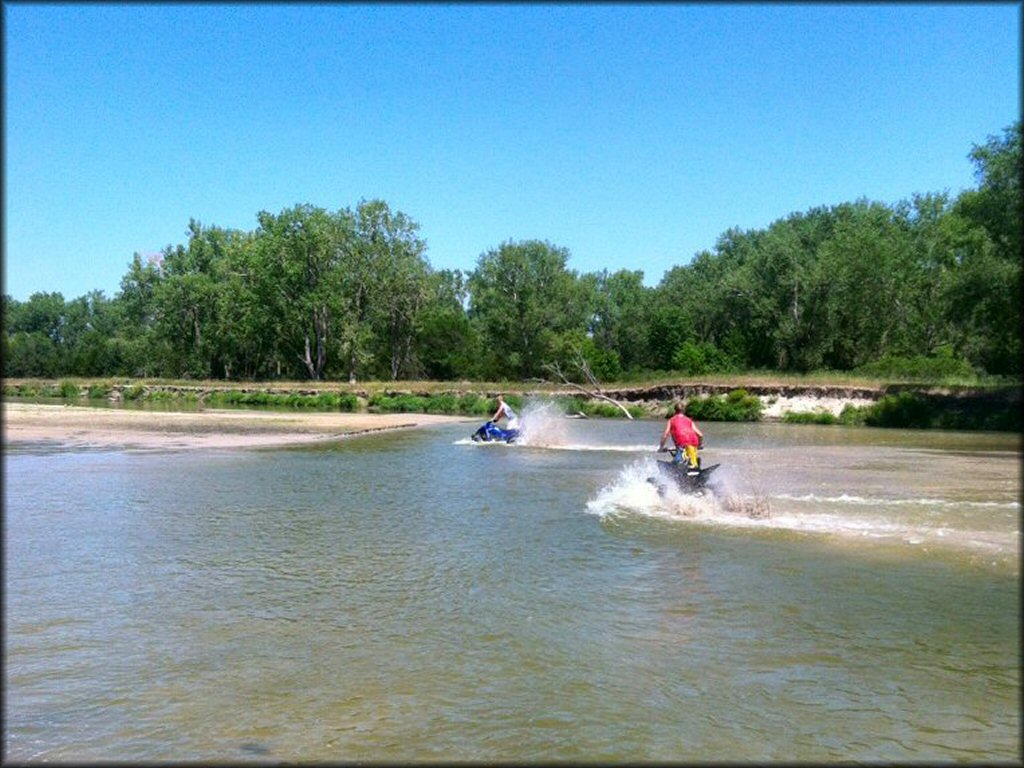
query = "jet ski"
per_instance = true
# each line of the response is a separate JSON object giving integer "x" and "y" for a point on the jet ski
{"x": 492, "y": 433}
{"x": 682, "y": 475}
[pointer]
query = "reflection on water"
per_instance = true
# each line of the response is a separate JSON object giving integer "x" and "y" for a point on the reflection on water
{"x": 413, "y": 596}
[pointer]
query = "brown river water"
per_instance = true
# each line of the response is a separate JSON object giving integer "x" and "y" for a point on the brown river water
{"x": 842, "y": 594}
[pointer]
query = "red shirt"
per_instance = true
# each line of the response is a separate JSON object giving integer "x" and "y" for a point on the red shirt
{"x": 681, "y": 427}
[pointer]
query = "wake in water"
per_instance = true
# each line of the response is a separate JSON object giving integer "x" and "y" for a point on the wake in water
{"x": 637, "y": 490}
{"x": 917, "y": 522}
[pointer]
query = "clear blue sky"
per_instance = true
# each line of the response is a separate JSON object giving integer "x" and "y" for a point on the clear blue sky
{"x": 632, "y": 135}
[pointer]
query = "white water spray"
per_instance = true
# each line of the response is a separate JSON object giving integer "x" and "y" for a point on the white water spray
{"x": 638, "y": 489}
{"x": 543, "y": 424}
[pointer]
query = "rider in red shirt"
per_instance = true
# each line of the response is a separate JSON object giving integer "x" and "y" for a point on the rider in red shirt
{"x": 685, "y": 434}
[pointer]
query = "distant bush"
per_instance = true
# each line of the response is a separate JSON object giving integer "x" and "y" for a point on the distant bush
{"x": 442, "y": 404}
{"x": 908, "y": 410}
{"x": 99, "y": 391}
{"x": 809, "y": 417}
{"x": 696, "y": 359}
{"x": 134, "y": 392}
{"x": 905, "y": 410}
{"x": 851, "y": 415}
{"x": 323, "y": 401}
{"x": 69, "y": 390}
{"x": 397, "y": 404}
{"x": 474, "y": 405}
{"x": 939, "y": 367}
{"x": 738, "y": 405}
{"x": 29, "y": 390}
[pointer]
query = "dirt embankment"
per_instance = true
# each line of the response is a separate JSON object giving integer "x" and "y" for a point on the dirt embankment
{"x": 778, "y": 398}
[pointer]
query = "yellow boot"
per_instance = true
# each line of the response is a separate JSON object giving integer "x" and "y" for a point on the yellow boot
{"x": 691, "y": 454}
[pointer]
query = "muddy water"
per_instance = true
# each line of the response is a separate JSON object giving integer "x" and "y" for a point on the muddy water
{"x": 418, "y": 597}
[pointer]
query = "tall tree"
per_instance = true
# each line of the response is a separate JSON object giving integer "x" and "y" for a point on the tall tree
{"x": 392, "y": 282}
{"x": 447, "y": 346}
{"x": 621, "y": 316}
{"x": 986, "y": 294}
{"x": 523, "y": 296}
{"x": 299, "y": 249}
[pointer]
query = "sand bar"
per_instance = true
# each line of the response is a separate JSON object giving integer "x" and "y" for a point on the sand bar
{"x": 78, "y": 426}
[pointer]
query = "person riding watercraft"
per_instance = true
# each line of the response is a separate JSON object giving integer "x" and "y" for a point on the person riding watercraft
{"x": 686, "y": 436}
{"x": 490, "y": 432}
{"x": 505, "y": 410}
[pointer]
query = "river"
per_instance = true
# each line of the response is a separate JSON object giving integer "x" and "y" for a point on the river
{"x": 414, "y": 596}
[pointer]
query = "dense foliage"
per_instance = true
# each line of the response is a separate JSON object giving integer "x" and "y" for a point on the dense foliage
{"x": 928, "y": 287}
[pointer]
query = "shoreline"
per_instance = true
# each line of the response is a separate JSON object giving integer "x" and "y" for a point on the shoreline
{"x": 74, "y": 426}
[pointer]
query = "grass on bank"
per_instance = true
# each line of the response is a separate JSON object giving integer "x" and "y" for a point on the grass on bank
{"x": 906, "y": 409}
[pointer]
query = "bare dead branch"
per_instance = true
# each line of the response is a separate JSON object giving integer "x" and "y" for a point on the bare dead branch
{"x": 594, "y": 392}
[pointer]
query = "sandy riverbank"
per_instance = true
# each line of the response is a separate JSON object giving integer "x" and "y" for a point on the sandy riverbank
{"x": 779, "y": 406}
{"x": 76, "y": 426}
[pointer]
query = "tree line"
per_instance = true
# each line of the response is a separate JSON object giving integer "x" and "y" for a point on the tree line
{"x": 349, "y": 295}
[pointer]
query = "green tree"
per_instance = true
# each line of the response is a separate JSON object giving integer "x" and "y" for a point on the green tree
{"x": 522, "y": 295}
{"x": 621, "y": 317}
{"x": 986, "y": 291}
{"x": 390, "y": 283}
{"x": 996, "y": 203}
{"x": 90, "y": 329}
{"x": 137, "y": 311}
{"x": 299, "y": 249}
{"x": 35, "y": 331}
{"x": 446, "y": 343}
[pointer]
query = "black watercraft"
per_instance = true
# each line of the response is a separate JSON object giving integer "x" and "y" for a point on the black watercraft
{"x": 492, "y": 433}
{"x": 682, "y": 476}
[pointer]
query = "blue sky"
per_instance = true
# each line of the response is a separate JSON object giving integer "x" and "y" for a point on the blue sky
{"x": 632, "y": 135}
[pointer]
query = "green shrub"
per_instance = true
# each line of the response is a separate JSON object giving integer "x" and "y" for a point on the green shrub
{"x": 327, "y": 401}
{"x": 99, "y": 391}
{"x": 442, "y": 404}
{"x": 69, "y": 390}
{"x": 738, "y": 405}
{"x": 905, "y": 410}
{"x": 400, "y": 404}
{"x": 133, "y": 392}
{"x": 698, "y": 359}
{"x": 805, "y": 417}
{"x": 853, "y": 415}
{"x": 229, "y": 397}
{"x": 23, "y": 390}
{"x": 474, "y": 405}
{"x": 941, "y": 366}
